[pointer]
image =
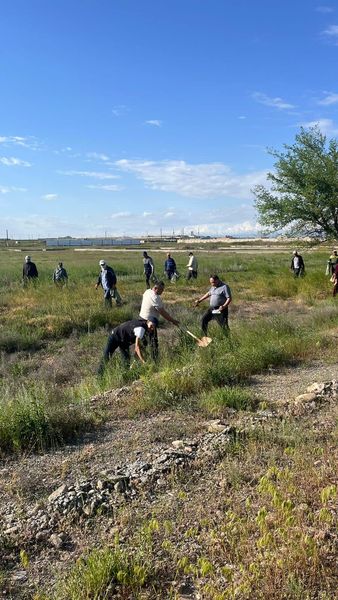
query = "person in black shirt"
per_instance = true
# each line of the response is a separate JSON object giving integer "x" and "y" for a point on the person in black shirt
{"x": 29, "y": 271}
{"x": 125, "y": 335}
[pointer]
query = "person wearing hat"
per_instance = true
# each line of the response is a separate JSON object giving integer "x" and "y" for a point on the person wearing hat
{"x": 29, "y": 271}
{"x": 60, "y": 275}
{"x": 151, "y": 308}
{"x": 125, "y": 335}
{"x": 107, "y": 280}
{"x": 148, "y": 268}
{"x": 297, "y": 264}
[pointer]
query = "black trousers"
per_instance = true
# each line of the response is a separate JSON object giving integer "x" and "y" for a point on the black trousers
{"x": 221, "y": 318}
{"x": 191, "y": 275}
{"x": 112, "y": 345}
{"x": 147, "y": 275}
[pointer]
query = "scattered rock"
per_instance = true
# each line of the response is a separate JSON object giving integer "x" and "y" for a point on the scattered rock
{"x": 57, "y": 493}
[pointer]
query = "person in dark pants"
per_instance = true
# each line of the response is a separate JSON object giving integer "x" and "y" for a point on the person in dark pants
{"x": 220, "y": 298}
{"x": 335, "y": 280}
{"x": 192, "y": 267}
{"x": 29, "y": 271}
{"x": 151, "y": 308}
{"x": 125, "y": 335}
{"x": 148, "y": 268}
{"x": 297, "y": 264}
{"x": 107, "y": 279}
{"x": 169, "y": 267}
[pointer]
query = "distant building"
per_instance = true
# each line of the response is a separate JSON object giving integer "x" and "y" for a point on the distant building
{"x": 67, "y": 242}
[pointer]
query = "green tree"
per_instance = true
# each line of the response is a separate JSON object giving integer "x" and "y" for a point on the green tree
{"x": 303, "y": 196}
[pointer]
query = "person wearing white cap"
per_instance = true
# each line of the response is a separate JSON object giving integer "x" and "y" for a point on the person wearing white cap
{"x": 107, "y": 280}
{"x": 29, "y": 271}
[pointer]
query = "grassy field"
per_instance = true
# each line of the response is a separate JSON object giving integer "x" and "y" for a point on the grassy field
{"x": 261, "y": 535}
{"x": 51, "y": 339}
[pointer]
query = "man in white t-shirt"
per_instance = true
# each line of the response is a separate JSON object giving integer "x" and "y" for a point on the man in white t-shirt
{"x": 151, "y": 308}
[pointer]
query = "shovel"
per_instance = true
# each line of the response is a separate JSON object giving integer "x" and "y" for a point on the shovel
{"x": 201, "y": 342}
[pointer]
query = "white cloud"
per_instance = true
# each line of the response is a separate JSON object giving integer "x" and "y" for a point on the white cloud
{"x": 106, "y": 188}
{"x": 94, "y": 174}
{"x": 154, "y": 122}
{"x": 274, "y": 102}
{"x": 49, "y": 197}
{"x": 326, "y": 126}
{"x": 16, "y": 140}
{"x": 121, "y": 215}
{"x": 330, "y": 98}
{"x": 241, "y": 117}
{"x": 14, "y": 162}
{"x": 221, "y": 229}
{"x": 120, "y": 110}
{"x": 324, "y": 9}
{"x": 209, "y": 180}
{"x": 331, "y": 32}
{"x": 12, "y": 188}
{"x": 97, "y": 156}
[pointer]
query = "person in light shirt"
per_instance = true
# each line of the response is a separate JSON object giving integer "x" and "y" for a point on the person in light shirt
{"x": 152, "y": 308}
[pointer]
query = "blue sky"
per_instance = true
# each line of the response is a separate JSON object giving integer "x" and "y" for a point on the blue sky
{"x": 123, "y": 117}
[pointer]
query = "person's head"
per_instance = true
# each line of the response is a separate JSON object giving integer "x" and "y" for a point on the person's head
{"x": 214, "y": 280}
{"x": 60, "y": 265}
{"x": 335, "y": 252}
{"x": 145, "y": 254}
{"x": 158, "y": 287}
{"x": 103, "y": 264}
{"x": 152, "y": 323}
{"x": 295, "y": 253}
{"x": 168, "y": 255}
{"x": 27, "y": 259}
{"x": 191, "y": 254}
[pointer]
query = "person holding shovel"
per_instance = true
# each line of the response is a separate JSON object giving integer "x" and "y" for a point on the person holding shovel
{"x": 219, "y": 297}
{"x": 151, "y": 308}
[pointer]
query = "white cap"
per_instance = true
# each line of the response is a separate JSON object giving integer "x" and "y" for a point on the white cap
{"x": 27, "y": 258}
{"x": 102, "y": 263}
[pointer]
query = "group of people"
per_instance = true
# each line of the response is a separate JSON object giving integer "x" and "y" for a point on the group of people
{"x": 170, "y": 268}
{"x": 152, "y": 307}
{"x": 31, "y": 274}
{"x": 137, "y": 331}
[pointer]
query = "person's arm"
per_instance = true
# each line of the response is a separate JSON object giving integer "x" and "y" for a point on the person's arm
{"x": 138, "y": 350}
{"x": 167, "y": 316}
{"x": 202, "y": 298}
{"x": 98, "y": 282}
{"x": 226, "y": 303}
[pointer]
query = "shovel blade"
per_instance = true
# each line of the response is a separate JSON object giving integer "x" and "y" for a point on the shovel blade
{"x": 204, "y": 342}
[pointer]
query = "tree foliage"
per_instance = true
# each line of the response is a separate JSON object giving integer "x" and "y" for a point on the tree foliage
{"x": 303, "y": 196}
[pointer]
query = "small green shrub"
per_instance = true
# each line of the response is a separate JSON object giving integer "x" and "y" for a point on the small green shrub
{"x": 218, "y": 400}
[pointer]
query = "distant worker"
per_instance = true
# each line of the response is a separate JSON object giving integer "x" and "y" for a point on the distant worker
{"x": 107, "y": 280}
{"x": 335, "y": 280}
{"x": 29, "y": 271}
{"x": 192, "y": 266}
{"x": 60, "y": 275}
{"x": 148, "y": 268}
{"x": 125, "y": 335}
{"x": 332, "y": 262}
{"x": 169, "y": 267}
{"x": 151, "y": 308}
{"x": 220, "y": 298}
{"x": 297, "y": 264}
